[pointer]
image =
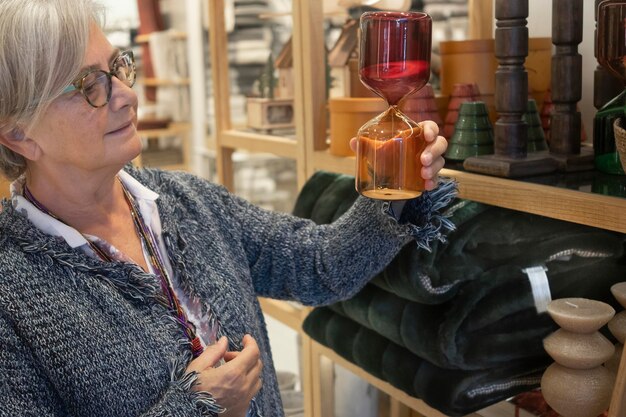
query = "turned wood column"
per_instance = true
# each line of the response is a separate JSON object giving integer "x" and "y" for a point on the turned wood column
{"x": 511, "y": 49}
{"x": 567, "y": 33}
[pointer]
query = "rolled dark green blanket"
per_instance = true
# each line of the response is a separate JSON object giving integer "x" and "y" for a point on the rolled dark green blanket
{"x": 453, "y": 392}
{"x": 491, "y": 321}
{"x": 486, "y": 237}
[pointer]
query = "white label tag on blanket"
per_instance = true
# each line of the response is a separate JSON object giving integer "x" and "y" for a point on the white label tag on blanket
{"x": 540, "y": 287}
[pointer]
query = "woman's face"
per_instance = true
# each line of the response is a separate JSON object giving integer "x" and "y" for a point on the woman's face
{"x": 74, "y": 136}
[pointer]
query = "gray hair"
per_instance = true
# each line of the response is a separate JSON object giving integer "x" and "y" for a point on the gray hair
{"x": 42, "y": 47}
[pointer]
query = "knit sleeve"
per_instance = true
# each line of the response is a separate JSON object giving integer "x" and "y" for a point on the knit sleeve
{"x": 293, "y": 258}
{"x": 24, "y": 389}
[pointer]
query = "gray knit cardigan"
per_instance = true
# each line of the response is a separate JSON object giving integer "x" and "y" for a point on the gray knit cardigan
{"x": 81, "y": 337}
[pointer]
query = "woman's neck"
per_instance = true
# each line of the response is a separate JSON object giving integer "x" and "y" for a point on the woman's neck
{"x": 83, "y": 202}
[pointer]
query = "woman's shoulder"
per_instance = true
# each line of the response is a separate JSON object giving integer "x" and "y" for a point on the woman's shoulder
{"x": 184, "y": 191}
{"x": 161, "y": 181}
{"x": 15, "y": 235}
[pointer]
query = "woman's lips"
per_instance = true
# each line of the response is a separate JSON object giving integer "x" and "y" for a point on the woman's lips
{"x": 122, "y": 129}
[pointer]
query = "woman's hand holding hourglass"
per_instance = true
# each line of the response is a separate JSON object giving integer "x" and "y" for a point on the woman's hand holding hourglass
{"x": 431, "y": 157}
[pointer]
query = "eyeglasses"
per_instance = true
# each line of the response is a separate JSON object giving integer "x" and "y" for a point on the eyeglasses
{"x": 97, "y": 85}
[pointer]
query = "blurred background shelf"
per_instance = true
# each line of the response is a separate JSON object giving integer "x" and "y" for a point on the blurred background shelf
{"x": 159, "y": 82}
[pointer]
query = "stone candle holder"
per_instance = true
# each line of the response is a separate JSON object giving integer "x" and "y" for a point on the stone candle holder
{"x": 617, "y": 326}
{"x": 577, "y": 385}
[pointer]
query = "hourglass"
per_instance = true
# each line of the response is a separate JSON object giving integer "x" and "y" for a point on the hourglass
{"x": 394, "y": 62}
{"x": 611, "y": 54}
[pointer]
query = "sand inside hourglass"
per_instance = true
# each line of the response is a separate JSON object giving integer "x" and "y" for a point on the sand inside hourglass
{"x": 398, "y": 165}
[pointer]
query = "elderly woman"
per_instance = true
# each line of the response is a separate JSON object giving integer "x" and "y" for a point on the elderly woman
{"x": 127, "y": 292}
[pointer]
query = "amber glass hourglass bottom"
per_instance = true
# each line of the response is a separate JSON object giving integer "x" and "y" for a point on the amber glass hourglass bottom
{"x": 388, "y": 162}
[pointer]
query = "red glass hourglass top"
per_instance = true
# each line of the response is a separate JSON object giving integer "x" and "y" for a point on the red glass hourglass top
{"x": 395, "y": 53}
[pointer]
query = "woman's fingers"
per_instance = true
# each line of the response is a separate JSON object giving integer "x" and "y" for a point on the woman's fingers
{"x": 431, "y": 158}
{"x": 430, "y": 173}
{"x": 210, "y": 357}
{"x": 431, "y": 130}
{"x": 353, "y": 144}
{"x": 434, "y": 151}
{"x": 234, "y": 383}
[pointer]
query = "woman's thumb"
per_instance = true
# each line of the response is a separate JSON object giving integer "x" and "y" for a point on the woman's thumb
{"x": 211, "y": 356}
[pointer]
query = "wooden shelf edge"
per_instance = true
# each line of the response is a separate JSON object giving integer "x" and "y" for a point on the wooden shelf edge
{"x": 256, "y": 142}
{"x": 175, "y": 128}
{"x": 594, "y": 210}
{"x": 324, "y": 160}
{"x": 159, "y": 82}
{"x": 284, "y": 312}
{"x": 145, "y": 38}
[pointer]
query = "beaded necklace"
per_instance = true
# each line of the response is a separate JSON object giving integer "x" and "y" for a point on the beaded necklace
{"x": 156, "y": 261}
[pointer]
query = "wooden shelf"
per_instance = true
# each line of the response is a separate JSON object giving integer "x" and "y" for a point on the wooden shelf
{"x": 174, "y": 129}
{"x": 145, "y": 38}
{"x": 582, "y": 207}
{"x": 164, "y": 161}
{"x": 285, "y": 312}
{"x": 256, "y": 142}
{"x": 324, "y": 160}
{"x": 565, "y": 204}
{"x": 156, "y": 82}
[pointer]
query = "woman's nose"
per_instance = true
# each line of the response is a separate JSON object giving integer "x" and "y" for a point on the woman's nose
{"x": 122, "y": 95}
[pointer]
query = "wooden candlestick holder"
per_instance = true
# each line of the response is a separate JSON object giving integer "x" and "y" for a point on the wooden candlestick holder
{"x": 565, "y": 121}
{"x": 511, "y": 158}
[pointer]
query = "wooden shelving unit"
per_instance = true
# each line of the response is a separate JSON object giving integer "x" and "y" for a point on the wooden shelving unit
{"x": 177, "y": 129}
{"x": 287, "y": 313}
{"x": 257, "y": 142}
{"x": 309, "y": 149}
{"x": 145, "y": 38}
{"x": 227, "y": 137}
{"x": 174, "y": 129}
{"x": 156, "y": 82}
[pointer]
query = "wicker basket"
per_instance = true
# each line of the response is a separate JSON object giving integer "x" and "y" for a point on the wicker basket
{"x": 620, "y": 140}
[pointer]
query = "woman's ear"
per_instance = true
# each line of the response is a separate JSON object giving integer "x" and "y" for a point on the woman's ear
{"x": 16, "y": 140}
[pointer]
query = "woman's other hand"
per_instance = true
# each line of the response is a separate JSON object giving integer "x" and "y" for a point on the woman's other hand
{"x": 432, "y": 156}
{"x": 234, "y": 383}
